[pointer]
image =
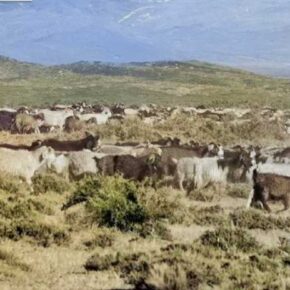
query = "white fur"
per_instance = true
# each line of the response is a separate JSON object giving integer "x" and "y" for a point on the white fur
{"x": 24, "y": 163}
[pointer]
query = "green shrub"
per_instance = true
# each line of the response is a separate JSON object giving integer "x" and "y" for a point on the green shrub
{"x": 110, "y": 201}
{"x": 160, "y": 205}
{"x": 15, "y": 208}
{"x": 226, "y": 238}
{"x": 11, "y": 184}
{"x": 116, "y": 204}
{"x": 86, "y": 189}
{"x": 50, "y": 182}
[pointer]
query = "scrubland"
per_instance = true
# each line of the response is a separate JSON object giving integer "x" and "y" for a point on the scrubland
{"x": 111, "y": 233}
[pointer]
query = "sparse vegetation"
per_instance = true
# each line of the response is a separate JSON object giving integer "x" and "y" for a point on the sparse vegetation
{"x": 130, "y": 234}
{"x": 42, "y": 233}
{"x": 227, "y": 238}
{"x": 11, "y": 184}
{"x": 213, "y": 215}
{"x": 103, "y": 239}
{"x": 191, "y": 83}
{"x": 253, "y": 219}
{"x": 240, "y": 190}
{"x": 50, "y": 182}
{"x": 207, "y": 194}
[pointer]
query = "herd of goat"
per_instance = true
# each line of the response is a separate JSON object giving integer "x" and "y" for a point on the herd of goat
{"x": 189, "y": 166}
{"x": 72, "y": 118}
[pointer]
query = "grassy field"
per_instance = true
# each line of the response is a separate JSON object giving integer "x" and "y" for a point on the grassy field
{"x": 169, "y": 83}
{"x": 202, "y": 241}
{"x": 124, "y": 235}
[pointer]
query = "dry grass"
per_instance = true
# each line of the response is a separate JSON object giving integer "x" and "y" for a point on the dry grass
{"x": 201, "y": 241}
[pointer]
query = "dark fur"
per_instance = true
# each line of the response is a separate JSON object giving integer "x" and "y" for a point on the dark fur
{"x": 269, "y": 186}
{"x": 36, "y": 144}
{"x": 7, "y": 120}
{"x": 90, "y": 142}
{"x": 238, "y": 164}
{"x": 73, "y": 123}
{"x": 128, "y": 166}
{"x": 282, "y": 154}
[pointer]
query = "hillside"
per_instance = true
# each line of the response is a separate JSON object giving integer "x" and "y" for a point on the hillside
{"x": 165, "y": 83}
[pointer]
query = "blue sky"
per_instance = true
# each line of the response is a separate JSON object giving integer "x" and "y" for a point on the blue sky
{"x": 245, "y": 33}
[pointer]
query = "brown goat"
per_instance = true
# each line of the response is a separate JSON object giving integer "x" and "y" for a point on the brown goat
{"x": 130, "y": 167}
{"x": 268, "y": 186}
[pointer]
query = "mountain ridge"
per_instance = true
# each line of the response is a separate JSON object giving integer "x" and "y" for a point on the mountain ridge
{"x": 165, "y": 82}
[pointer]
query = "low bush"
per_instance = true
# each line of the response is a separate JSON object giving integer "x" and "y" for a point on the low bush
{"x": 207, "y": 194}
{"x": 213, "y": 215}
{"x": 227, "y": 238}
{"x": 253, "y": 219}
{"x": 50, "y": 182}
{"x": 161, "y": 204}
{"x": 241, "y": 191}
{"x": 43, "y": 234}
{"x": 197, "y": 266}
{"x": 102, "y": 238}
{"x": 11, "y": 184}
{"x": 100, "y": 263}
{"x": 85, "y": 189}
{"x": 131, "y": 266}
{"x": 110, "y": 201}
{"x": 116, "y": 204}
{"x": 22, "y": 207}
{"x": 154, "y": 228}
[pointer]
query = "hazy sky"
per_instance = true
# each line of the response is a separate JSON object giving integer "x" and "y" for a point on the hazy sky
{"x": 244, "y": 32}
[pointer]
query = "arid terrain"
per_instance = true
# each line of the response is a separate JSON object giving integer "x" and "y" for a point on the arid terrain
{"x": 162, "y": 238}
{"x": 107, "y": 231}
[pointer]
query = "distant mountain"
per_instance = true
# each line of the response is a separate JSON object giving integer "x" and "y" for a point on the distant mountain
{"x": 167, "y": 83}
{"x": 11, "y": 69}
{"x": 148, "y": 70}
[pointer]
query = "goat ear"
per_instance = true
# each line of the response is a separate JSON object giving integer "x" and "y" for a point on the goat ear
{"x": 151, "y": 159}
